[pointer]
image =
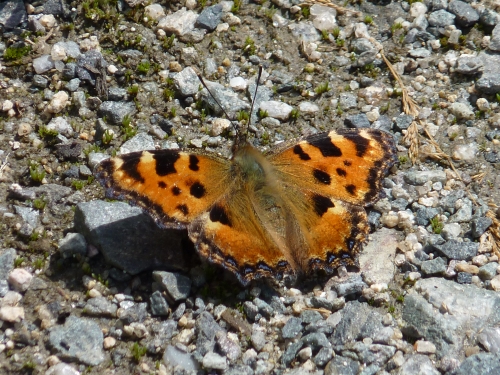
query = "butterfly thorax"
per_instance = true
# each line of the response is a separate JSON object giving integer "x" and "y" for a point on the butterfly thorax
{"x": 250, "y": 168}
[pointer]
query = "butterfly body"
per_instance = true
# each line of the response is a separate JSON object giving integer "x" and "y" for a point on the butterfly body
{"x": 295, "y": 209}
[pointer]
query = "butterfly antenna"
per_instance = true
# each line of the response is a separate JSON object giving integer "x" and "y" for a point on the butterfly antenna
{"x": 243, "y": 136}
{"x": 221, "y": 107}
{"x": 256, "y": 88}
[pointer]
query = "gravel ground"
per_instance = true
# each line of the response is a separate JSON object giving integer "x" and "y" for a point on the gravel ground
{"x": 94, "y": 286}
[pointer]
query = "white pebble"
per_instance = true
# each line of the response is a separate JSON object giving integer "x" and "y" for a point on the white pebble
{"x": 238, "y": 83}
{"x": 11, "y": 314}
{"x": 20, "y": 279}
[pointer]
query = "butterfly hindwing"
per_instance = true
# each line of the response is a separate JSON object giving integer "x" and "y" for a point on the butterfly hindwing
{"x": 232, "y": 234}
{"x": 173, "y": 186}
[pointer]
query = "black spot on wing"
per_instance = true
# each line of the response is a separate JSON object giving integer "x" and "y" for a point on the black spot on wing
{"x": 176, "y": 190}
{"x": 219, "y": 214}
{"x": 302, "y": 155}
{"x": 322, "y": 177}
{"x": 326, "y": 147}
{"x": 165, "y": 162}
{"x": 341, "y": 172}
{"x": 347, "y": 163}
{"x": 351, "y": 189}
{"x": 321, "y": 204}
{"x": 130, "y": 167}
{"x": 197, "y": 190}
{"x": 360, "y": 142}
{"x": 162, "y": 185}
{"x": 193, "y": 163}
{"x": 183, "y": 208}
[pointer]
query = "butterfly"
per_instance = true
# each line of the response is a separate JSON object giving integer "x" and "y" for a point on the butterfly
{"x": 295, "y": 209}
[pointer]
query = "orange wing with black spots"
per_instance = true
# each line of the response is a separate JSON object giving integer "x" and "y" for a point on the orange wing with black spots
{"x": 346, "y": 164}
{"x": 174, "y": 186}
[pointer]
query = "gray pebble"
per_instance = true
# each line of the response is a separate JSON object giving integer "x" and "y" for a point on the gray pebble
{"x": 159, "y": 305}
{"x": 176, "y": 285}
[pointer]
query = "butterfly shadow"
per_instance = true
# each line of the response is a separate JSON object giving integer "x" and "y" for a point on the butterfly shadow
{"x": 134, "y": 243}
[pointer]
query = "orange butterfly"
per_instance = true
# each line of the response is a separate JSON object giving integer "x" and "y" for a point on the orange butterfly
{"x": 295, "y": 209}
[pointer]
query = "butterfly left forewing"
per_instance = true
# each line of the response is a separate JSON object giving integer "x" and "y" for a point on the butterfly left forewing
{"x": 346, "y": 164}
{"x": 173, "y": 186}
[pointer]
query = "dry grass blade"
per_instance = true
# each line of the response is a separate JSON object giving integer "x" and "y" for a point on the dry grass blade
{"x": 479, "y": 177}
{"x": 494, "y": 229}
{"x": 440, "y": 154}
{"x": 4, "y": 164}
{"x": 327, "y": 3}
{"x": 410, "y": 108}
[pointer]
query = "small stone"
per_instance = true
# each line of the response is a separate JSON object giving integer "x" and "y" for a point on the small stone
{"x": 305, "y": 354}
{"x": 186, "y": 82}
{"x": 433, "y": 267}
{"x": 419, "y": 178}
{"x": 61, "y": 369}
{"x": 467, "y": 64}
{"x": 60, "y": 125}
{"x": 176, "y": 285}
{"x": 58, "y": 102}
{"x": 159, "y": 305}
{"x": 109, "y": 342}
{"x": 100, "y": 306}
{"x": 464, "y": 278}
{"x": 43, "y": 64}
{"x": 454, "y": 249}
{"x": 214, "y": 361}
{"x": 11, "y": 314}
{"x": 480, "y": 225}
{"x": 468, "y": 268}
{"x": 465, "y": 152}
{"x": 441, "y": 18}
{"x": 480, "y": 260}
{"x": 219, "y": 125}
{"x": 465, "y": 14}
{"x": 357, "y": 121}
{"x": 420, "y": 53}
{"x": 292, "y": 328}
{"x": 24, "y": 129}
{"x": 20, "y": 279}
{"x": 78, "y": 339}
{"x": 347, "y": 101}
{"x": 425, "y": 347}
{"x": 462, "y": 111}
{"x": 258, "y": 340}
{"x": 72, "y": 244}
{"x": 488, "y": 271}
{"x": 323, "y": 17}
{"x": 276, "y": 109}
{"x": 136, "y": 313}
{"x": 154, "y": 12}
{"x": 238, "y": 83}
{"x": 308, "y": 108}
{"x": 451, "y": 231}
{"x": 495, "y": 283}
{"x": 178, "y": 23}
{"x": 210, "y": 17}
